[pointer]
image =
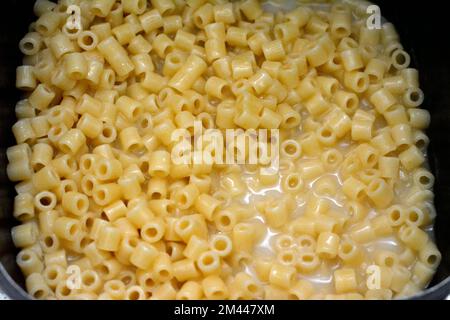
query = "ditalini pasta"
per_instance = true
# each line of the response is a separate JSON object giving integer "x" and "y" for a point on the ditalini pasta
{"x": 107, "y": 212}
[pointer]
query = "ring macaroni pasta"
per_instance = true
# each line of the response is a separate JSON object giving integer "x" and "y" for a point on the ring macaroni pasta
{"x": 98, "y": 192}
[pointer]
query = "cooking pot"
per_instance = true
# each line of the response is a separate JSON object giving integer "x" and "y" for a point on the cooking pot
{"x": 424, "y": 33}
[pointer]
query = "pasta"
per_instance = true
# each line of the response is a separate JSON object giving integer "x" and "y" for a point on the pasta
{"x": 100, "y": 190}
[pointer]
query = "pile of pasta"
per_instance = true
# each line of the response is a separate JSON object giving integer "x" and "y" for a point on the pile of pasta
{"x": 106, "y": 214}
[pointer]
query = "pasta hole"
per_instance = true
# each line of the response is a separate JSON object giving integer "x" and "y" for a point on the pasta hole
{"x": 421, "y": 144}
{"x": 89, "y": 185}
{"x": 415, "y": 96}
{"x": 144, "y": 166}
{"x": 360, "y": 195}
{"x": 208, "y": 260}
{"x": 334, "y": 87}
{"x": 133, "y": 242}
{"x": 87, "y": 164}
{"x": 159, "y": 173}
{"x": 293, "y": 182}
{"x": 77, "y": 75}
{"x": 73, "y": 229}
{"x": 290, "y": 149}
{"x": 352, "y": 102}
{"x": 413, "y": 216}
{"x": 198, "y": 21}
{"x": 39, "y": 294}
{"x": 220, "y": 245}
{"x": 114, "y": 287}
{"x": 65, "y": 148}
{"x": 136, "y": 112}
{"x": 253, "y": 288}
{"x": 287, "y": 258}
{"x": 151, "y": 232}
{"x": 375, "y": 186}
{"x": 373, "y": 78}
{"x": 56, "y": 113}
{"x": 168, "y": 49}
{"x": 226, "y": 91}
{"x": 164, "y": 274}
{"x": 72, "y": 31}
{"x": 26, "y": 257}
{"x": 134, "y": 295}
{"x": 65, "y": 291}
{"x": 126, "y": 279}
{"x": 38, "y": 166}
{"x": 175, "y": 60}
{"x": 395, "y": 215}
{"x": 332, "y": 159}
{"x": 341, "y": 31}
{"x": 45, "y": 201}
{"x": 285, "y": 243}
{"x": 84, "y": 242}
{"x": 110, "y": 79}
{"x": 88, "y": 280}
{"x": 182, "y": 199}
{"x": 149, "y": 282}
{"x": 81, "y": 204}
{"x": 185, "y": 224}
{"x": 361, "y": 83}
{"x": 347, "y": 248}
{"x": 307, "y": 258}
{"x": 292, "y": 296}
{"x": 68, "y": 188}
{"x": 337, "y": 60}
{"x": 432, "y": 259}
{"x": 218, "y": 294}
{"x": 103, "y": 269}
{"x": 326, "y": 133}
{"x": 107, "y": 132}
{"x": 156, "y": 195}
{"x": 145, "y": 123}
{"x": 101, "y": 195}
{"x": 291, "y": 121}
{"x": 171, "y": 208}
{"x": 48, "y": 241}
{"x": 305, "y": 243}
{"x": 89, "y": 222}
{"x": 197, "y": 105}
{"x": 424, "y": 180}
{"x": 71, "y": 163}
{"x": 42, "y": 29}
{"x": 400, "y": 59}
{"x": 389, "y": 262}
{"x": 141, "y": 5}
{"x": 225, "y": 221}
{"x": 57, "y": 131}
{"x": 88, "y": 40}
{"x": 52, "y": 274}
{"x": 371, "y": 159}
{"x": 135, "y": 147}
{"x": 28, "y": 46}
